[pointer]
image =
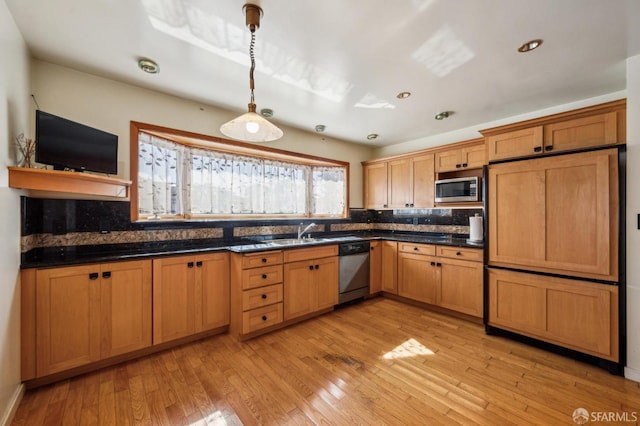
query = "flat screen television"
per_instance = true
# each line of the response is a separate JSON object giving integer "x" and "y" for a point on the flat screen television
{"x": 65, "y": 144}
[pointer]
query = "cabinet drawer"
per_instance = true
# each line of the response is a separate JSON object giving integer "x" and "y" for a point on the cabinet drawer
{"x": 259, "y": 318}
{"x": 262, "y": 296}
{"x": 266, "y": 258}
{"x": 460, "y": 253}
{"x": 310, "y": 253}
{"x": 425, "y": 249}
{"x": 260, "y": 277}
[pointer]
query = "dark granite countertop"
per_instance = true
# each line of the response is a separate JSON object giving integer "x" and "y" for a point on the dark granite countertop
{"x": 64, "y": 256}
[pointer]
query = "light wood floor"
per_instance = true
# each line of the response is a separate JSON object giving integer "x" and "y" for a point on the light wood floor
{"x": 378, "y": 362}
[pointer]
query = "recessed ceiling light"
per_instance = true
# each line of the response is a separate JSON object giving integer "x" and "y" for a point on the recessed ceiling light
{"x": 372, "y": 136}
{"x": 148, "y": 66}
{"x": 442, "y": 115}
{"x": 266, "y": 112}
{"x": 530, "y": 45}
{"x": 320, "y": 128}
{"x": 403, "y": 95}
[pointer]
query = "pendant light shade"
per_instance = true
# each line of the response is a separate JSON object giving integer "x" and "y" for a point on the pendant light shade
{"x": 251, "y": 127}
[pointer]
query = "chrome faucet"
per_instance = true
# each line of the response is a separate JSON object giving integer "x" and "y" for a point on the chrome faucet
{"x": 301, "y": 232}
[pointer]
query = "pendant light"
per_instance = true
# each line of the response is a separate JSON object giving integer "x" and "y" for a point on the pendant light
{"x": 251, "y": 126}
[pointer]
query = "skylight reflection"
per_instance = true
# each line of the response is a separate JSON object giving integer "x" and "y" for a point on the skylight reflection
{"x": 371, "y": 101}
{"x": 408, "y": 349}
{"x": 443, "y": 52}
{"x": 194, "y": 22}
{"x": 216, "y": 418}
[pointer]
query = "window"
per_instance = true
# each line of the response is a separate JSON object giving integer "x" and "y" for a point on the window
{"x": 182, "y": 175}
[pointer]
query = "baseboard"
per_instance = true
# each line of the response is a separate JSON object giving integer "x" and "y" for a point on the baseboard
{"x": 632, "y": 374}
{"x": 7, "y": 418}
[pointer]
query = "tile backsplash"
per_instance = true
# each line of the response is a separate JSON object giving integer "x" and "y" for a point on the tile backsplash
{"x": 50, "y": 223}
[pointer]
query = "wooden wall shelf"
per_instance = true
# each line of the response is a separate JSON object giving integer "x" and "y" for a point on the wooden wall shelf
{"x": 68, "y": 182}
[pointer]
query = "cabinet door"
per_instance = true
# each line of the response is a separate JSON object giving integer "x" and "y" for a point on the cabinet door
{"x": 375, "y": 185}
{"x": 299, "y": 289}
{"x": 326, "y": 278}
{"x": 447, "y": 161}
{"x": 400, "y": 192}
{"x": 375, "y": 267}
{"x": 173, "y": 298}
{"x": 212, "y": 289}
{"x": 423, "y": 181}
{"x": 520, "y": 143}
{"x": 576, "y": 314}
{"x": 417, "y": 278}
{"x": 460, "y": 286}
{"x": 558, "y": 214}
{"x": 581, "y": 133}
{"x": 390, "y": 267}
{"x": 125, "y": 307}
{"x": 67, "y": 317}
{"x": 474, "y": 157}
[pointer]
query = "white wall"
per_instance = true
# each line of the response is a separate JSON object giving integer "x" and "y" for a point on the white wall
{"x": 110, "y": 105}
{"x": 633, "y": 209}
{"x": 14, "y": 101}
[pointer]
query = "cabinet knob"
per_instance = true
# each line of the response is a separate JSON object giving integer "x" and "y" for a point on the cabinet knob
{"x": 199, "y": 263}
{"x": 264, "y": 276}
{"x": 438, "y": 264}
{"x": 411, "y": 205}
{"x": 458, "y": 166}
{"x": 190, "y": 265}
{"x": 416, "y": 248}
{"x": 384, "y": 205}
{"x": 372, "y": 248}
{"x": 93, "y": 276}
{"x": 264, "y": 318}
{"x": 317, "y": 266}
{"x": 537, "y": 149}
{"x": 433, "y": 263}
{"x": 406, "y": 204}
{"x": 548, "y": 148}
{"x": 106, "y": 274}
{"x": 264, "y": 260}
{"x": 311, "y": 267}
{"x": 264, "y": 296}
{"x": 464, "y": 164}
{"x": 458, "y": 253}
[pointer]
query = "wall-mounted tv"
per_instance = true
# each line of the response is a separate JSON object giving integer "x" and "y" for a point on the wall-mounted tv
{"x": 65, "y": 144}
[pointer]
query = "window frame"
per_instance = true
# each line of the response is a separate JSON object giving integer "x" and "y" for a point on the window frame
{"x": 213, "y": 143}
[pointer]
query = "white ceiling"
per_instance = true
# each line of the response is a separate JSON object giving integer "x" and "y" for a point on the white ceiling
{"x": 341, "y": 63}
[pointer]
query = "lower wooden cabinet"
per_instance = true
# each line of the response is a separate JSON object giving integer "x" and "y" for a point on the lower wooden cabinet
{"x": 83, "y": 314}
{"x": 190, "y": 295}
{"x": 375, "y": 267}
{"x": 576, "y": 314}
{"x": 450, "y": 277}
{"x": 389, "y": 267}
{"x": 311, "y": 283}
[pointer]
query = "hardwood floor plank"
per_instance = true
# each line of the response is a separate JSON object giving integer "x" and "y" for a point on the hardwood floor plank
{"x": 376, "y": 362}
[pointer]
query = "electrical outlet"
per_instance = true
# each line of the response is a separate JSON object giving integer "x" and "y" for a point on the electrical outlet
{"x": 415, "y": 220}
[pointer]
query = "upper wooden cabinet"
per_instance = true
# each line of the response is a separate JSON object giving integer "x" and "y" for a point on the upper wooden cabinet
{"x": 464, "y": 157}
{"x": 599, "y": 125}
{"x": 405, "y": 182}
{"x": 556, "y": 214}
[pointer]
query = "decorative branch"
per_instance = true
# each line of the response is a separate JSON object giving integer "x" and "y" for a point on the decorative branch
{"x": 27, "y": 148}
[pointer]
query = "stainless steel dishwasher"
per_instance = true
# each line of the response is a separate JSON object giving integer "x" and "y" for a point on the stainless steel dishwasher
{"x": 354, "y": 271}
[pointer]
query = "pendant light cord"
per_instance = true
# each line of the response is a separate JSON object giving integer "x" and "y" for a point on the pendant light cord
{"x": 253, "y": 63}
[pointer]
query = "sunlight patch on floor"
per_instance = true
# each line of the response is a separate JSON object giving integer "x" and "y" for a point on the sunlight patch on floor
{"x": 408, "y": 349}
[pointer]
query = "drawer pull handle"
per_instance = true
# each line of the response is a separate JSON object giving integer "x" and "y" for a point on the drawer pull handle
{"x": 264, "y": 260}
{"x": 438, "y": 264}
{"x": 458, "y": 254}
{"x": 199, "y": 263}
{"x": 93, "y": 276}
{"x": 537, "y": 149}
{"x": 464, "y": 164}
{"x": 264, "y": 276}
{"x": 264, "y": 296}
{"x": 433, "y": 263}
{"x": 106, "y": 274}
{"x": 548, "y": 148}
{"x": 317, "y": 266}
{"x": 416, "y": 248}
{"x": 458, "y": 166}
{"x": 264, "y": 318}
{"x": 311, "y": 267}
{"x": 190, "y": 265}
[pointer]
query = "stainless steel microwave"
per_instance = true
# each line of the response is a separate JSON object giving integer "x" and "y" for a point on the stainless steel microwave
{"x": 458, "y": 190}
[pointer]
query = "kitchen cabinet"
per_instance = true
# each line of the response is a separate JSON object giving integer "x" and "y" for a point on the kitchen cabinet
{"x": 449, "y": 277}
{"x": 576, "y": 314}
{"x": 465, "y": 157}
{"x": 405, "y": 182}
{"x": 310, "y": 280}
{"x": 87, "y": 313}
{"x": 190, "y": 295}
{"x": 556, "y": 214}
{"x": 389, "y": 273}
{"x": 600, "y": 125}
{"x": 375, "y": 267}
{"x": 257, "y": 292}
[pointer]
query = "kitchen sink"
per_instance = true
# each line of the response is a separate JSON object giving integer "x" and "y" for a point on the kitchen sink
{"x": 296, "y": 241}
